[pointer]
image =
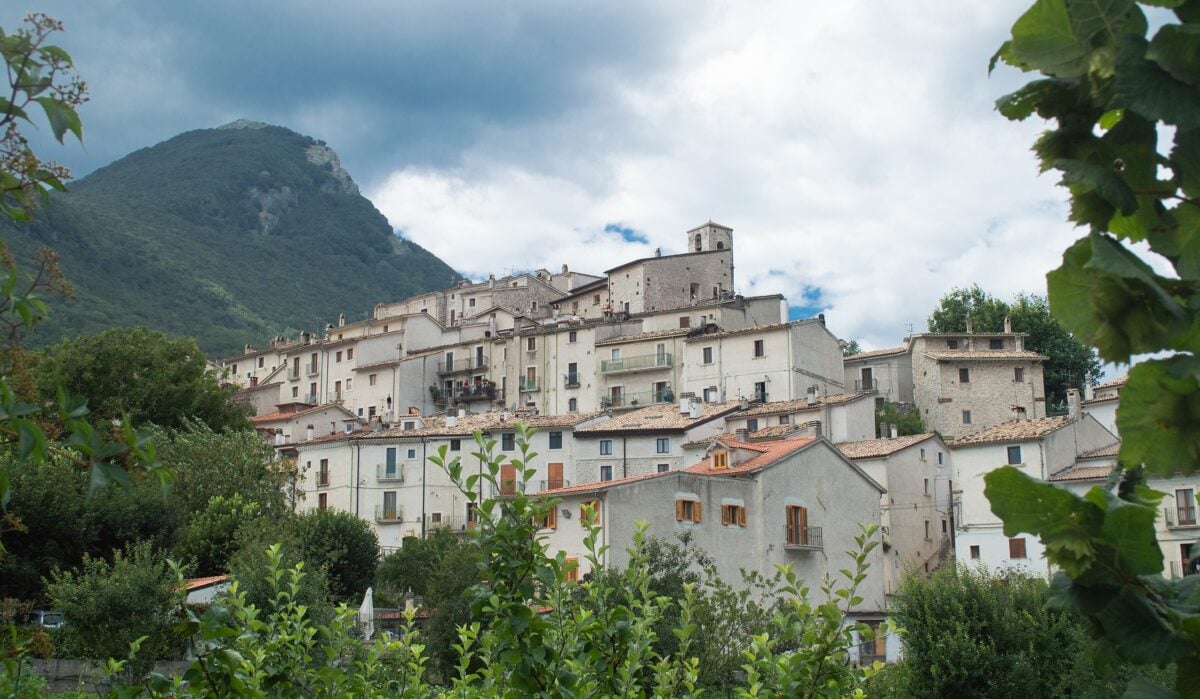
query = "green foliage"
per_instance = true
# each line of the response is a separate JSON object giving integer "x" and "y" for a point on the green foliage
{"x": 343, "y": 545}
{"x": 210, "y": 538}
{"x": 972, "y": 633}
{"x": 238, "y": 235}
{"x": 109, "y": 605}
{"x": 412, "y": 566}
{"x": 851, "y": 348}
{"x": 142, "y": 374}
{"x": 254, "y": 569}
{"x": 907, "y": 421}
{"x": 1071, "y": 364}
{"x": 1124, "y": 133}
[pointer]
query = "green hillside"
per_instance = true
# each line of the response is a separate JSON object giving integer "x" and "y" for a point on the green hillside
{"x": 232, "y": 235}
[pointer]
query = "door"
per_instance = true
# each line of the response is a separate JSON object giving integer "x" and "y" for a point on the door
{"x": 390, "y": 468}
{"x": 1185, "y": 506}
{"x": 479, "y": 357}
{"x": 867, "y": 379}
{"x": 614, "y": 396}
{"x": 556, "y": 476}
{"x": 508, "y": 479}
{"x": 389, "y": 504}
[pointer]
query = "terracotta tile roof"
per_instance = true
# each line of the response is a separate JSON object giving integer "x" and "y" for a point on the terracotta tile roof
{"x": 1013, "y": 431}
{"x": 1110, "y": 451}
{"x": 197, "y": 583}
{"x": 802, "y": 404}
{"x": 1083, "y": 473}
{"x": 658, "y": 418}
{"x": 951, "y": 355}
{"x": 673, "y": 332}
{"x": 272, "y": 417}
{"x": 772, "y": 432}
{"x": 878, "y": 448}
{"x": 1119, "y": 381}
{"x": 340, "y": 436}
{"x": 768, "y": 453}
{"x": 878, "y": 353}
{"x": 436, "y": 425}
{"x": 376, "y": 365}
{"x": 742, "y": 331}
{"x": 1104, "y": 399}
{"x": 604, "y": 485}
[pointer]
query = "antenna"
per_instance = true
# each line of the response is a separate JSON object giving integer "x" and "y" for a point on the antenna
{"x": 910, "y": 327}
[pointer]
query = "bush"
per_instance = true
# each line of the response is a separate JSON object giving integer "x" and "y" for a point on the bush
{"x": 210, "y": 538}
{"x": 342, "y": 544}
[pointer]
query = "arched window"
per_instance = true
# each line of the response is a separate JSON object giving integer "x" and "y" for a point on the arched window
{"x": 720, "y": 245}
{"x": 697, "y": 242}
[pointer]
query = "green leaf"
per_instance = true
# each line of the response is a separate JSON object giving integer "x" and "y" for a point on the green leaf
{"x": 1176, "y": 49}
{"x": 1104, "y": 180}
{"x": 1138, "y": 633}
{"x": 1044, "y": 39}
{"x": 1142, "y": 688}
{"x": 1110, "y": 118}
{"x": 1159, "y": 419}
{"x": 1022, "y": 103}
{"x": 62, "y": 118}
{"x": 1144, "y": 87}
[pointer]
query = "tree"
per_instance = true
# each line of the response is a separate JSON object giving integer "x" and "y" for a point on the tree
{"x": 907, "y": 422}
{"x": 343, "y": 545}
{"x": 210, "y": 538}
{"x": 412, "y": 566}
{"x": 1109, "y": 91}
{"x": 1070, "y": 363}
{"x": 851, "y": 348}
{"x": 107, "y": 606}
{"x": 141, "y": 374}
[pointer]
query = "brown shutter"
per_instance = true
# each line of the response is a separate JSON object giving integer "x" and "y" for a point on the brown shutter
{"x": 725, "y": 514}
{"x": 802, "y": 524}
{"x": 556, "y": 476}
{"x": 696, "y": 511}
{"x": 789, "y": 514}
{"x": 552, "y": 519}
{"x": 741, "y": 513}
{"x": 508, "y": 479}
{"x": 679, "y": 510}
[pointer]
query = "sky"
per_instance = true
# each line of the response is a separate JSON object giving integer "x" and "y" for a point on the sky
{"x": 853, "y": 146}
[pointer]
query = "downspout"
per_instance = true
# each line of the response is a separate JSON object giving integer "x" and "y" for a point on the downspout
{"x": 423, "y": 462}
{"x": 357, "y": 476}
{"x": 624, "y": 459}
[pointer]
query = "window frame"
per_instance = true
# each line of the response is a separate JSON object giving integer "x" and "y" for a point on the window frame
{"x": 606, "y": 447}
{"x": 1016, "y": 545}
{"x": 964, "y": 374}
{"x": 688, "y": 511}
{"x": 1009, "y": 452}
{"x": 662, "y": 445}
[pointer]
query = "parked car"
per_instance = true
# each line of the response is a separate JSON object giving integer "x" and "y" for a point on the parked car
{"x": 45, "y": 619}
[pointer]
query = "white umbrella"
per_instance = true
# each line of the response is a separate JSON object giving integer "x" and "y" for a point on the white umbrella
{"x": 366, "y": 615}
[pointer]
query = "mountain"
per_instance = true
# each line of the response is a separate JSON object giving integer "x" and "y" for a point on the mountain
{"x": 232, "y": 235}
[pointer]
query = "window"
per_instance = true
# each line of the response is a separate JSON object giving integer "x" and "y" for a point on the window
{"x": 1185, "y": 507}
{"x": 875, "y": 647}
{"x": 572, "y": 336}
{"x": 472, "y": 514}
{"x": 550, "y": 521}
{"x": 760, "y": 391}
{"x": 455, "y": 445}
{"x": 687, "y": 511}
{"x": 572, "y": 406}
{"x": 323, "y": 501}
{"x": 349, "y": 354}
{"x": 663, "y": 445}
{"x": 295, "y": 391}
{"x": 531, "y": 344}
{"x": 339, "y": 356}
{"x": 470, "y": 303}
{"x": 927, "y": 530}
{"x": 797, "y": 530}
{"x": 337, "y": 388}
{"x": 508, "y": 441}
{"x": 323, "y": 474}
{"x": 260, "y": 362}
{"x": 941, "y": 457}
{"x": 975, "y": 552}
{"x": 783, "y": 419}
{"x": 1016, "y": 548}
{"x": 996, "y": 343}
{"x": 596, "y": 298}
{"x": 760, "y": 348}
{"x": 733, "y": 515}
{"x": 349, "y": 384}
{"x": 412, "y": 453}
{"x": 721, "y": 459}
{"x": 663, "y": 468}
{"x": 606, "y": 473}
{"x": 1018, "y": 375}
{"x": 945, "y": 529}
{"x": 752, "y": 424}
{"x": 571, "y": 569}
{"x": 927, "y": 486}
{"x": 685, "y": 322}
{"x": 556, "y": 440}
{"x": 372, "y": 379}
{"x": 235, "y": 371}
{"x": 964, "y": 375}
{"x": 951, "y": 344}
{"x": 390, "y": 466}
{"x": 605, "y": 447}
{"x": 707, "y": 351}
{"x": 589, "y": 512}
{"x": 410, "y": 424}
{"x": 1014, "y": 455}
{"x": 710, "y": 394}
{"x": 966, "y": 417}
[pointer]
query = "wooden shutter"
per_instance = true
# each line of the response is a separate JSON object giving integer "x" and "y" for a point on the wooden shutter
{"x": 508, "y": 479}
{"x": 790, "y": 516}
{"x": 1016, "y": 548}
{"x": 802, "y": 524}
{"x": 552, "y": 518}
{"x": 571, "y": 569}
{"x": 725, "y": 513}
{"x": 556, "y": 476}
{"x": 696, "y": 511}
{"x": 741, "y": 516}
{"x": 679, "y": 510}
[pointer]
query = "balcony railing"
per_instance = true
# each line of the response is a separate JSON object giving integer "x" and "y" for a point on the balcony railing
{"x": 311, "y": 399}
{"x": 475, "y": 392}
{"x": 383, "y": 513}
{"x": 509, "y": 488}
{"x": 293, "y": 375}
{"x": 528, "y": 385}
{"x": 1180, "y": 517}
{"x": 571, "y": 380}
{"x": 866, "y": 384}
{"x": 323, "y": 479}
{"x": 636, "y": 400}
{"x": 395, "y": 473}
{"x": 759, "y": 397}
{"x": 645, "y": 362}
{"x": 313, "y": 369}
{"x": 435, "y": 521}
{"x": 803, "y": 539}
{"x": 469, "y": 364}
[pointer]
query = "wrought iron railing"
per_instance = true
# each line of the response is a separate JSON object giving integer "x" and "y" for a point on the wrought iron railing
{"x": 803, "y": 538}
{"x": 638, "y": 363}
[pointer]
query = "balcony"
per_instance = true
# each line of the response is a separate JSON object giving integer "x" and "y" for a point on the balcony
{"x": 394, "y": 474}
{"x": 462, "y": 365}
{"x": 510, "y": 488}
{"x": 323, "y": 479}
{"x": 866, "y": 384}
{"x": 636, "y": 400}
{"x": 1180, "y": 517}
{"x": 529, "y": 385}
{"x": 293, "y": 374}
{"x": 571, "y": 380}
{"x": 484, "y": 391}
{"x": 803, "y": 539}
{"x": 311, "y": 399}
{"x": 439, "y": 520}
{"x": 645, "y": 362}
{"x": 384, "y": 513}
{"x": 313, "y": 369}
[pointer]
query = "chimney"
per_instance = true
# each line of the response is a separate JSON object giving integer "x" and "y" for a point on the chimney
{"x": 816, "y": 425}
{"x": 893, "y": 431}
{"x": 341, "y": 319}
{"x": 451, "y": 421}
{"x": 491, "y": 281}
{"x": 970, "y": 325}
{"x": 564, "y": 269}
{"x": 278, "y": 437}
{"x": 308, "y": 434}
{"x": 1007, "y": 324}
{"x": 695, "y": 411}
{"x": 883, "y": 430}
{"x": 685, "y": 406}
{"x": 414, "y": 410}
{"x": 462, "y": 412}
{"x": 1073, "y": 403}
{"x": 658, "y": 252}
{"x": 821, "y": 317}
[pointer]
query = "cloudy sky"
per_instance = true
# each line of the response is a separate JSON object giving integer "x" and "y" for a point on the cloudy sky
{"x": 851, "y": 145}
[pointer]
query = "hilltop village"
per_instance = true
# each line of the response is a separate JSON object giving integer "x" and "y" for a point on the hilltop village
{"x": 660, "y": 394}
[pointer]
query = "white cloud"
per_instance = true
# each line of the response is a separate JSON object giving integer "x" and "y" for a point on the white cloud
{"x": 852, "y": 146}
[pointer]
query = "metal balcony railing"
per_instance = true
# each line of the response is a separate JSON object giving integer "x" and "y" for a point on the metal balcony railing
{"x": 759, "y": 397}
{"x": 636, "y": 400}
{"x": 866, "y": 384}
{"x": 528, "y": 385}
{"x": 643, "y": 362}
{"x": 508, "y": 488}
{"x": 311, "y": 399}
{"x": 383, "y": 513}
{"x": 313, "y": 369}
{"x": 469, "y": 364}
{"x": 1180, "y": 517}
{"x": 803, "y": 538}
{"x": 475, "y": 392}
{"x": 441, "y": 520}
{"x": 323, "y": 479}
{"x": 383, "y": 473}
{"x": 571, "y": 380}
{"x": 293, "y": 375}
